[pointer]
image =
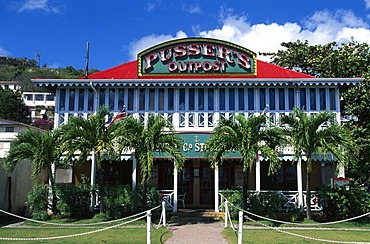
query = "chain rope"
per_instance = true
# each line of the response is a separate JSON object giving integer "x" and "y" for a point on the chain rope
{"x": 69, "y": 236}
{"x": 307, "y": 224}
{"x": 302, "y": 236}
{"x": 71, "y": 224}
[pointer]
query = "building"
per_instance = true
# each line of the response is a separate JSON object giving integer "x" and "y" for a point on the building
{"x": 194, "y": 82}
{"x": 20, "y": 181}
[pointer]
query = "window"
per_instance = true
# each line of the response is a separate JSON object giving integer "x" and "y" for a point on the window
{"x": 170, "y": 98}
{"x": 182, "y": 99}
{"x": 291, "y": 98}
{"x": 322, "y": 99}
{"x": 49, "y": 97}
{"x": 262, "y": 99}
{"x": 161, "y": 99}
{"x": 28, "y": 97}
{"x": 142, "y": 99}
{"x": 285, "y": 178}
{"x": 241, "y": 99}
{"x": 302, "y": 99}
{"x": 231, "y": 99}
{"x": 121, "y": 98}
{"x": 200, "y": 99}
{"x": 272, "y": 105}
{"x": 111, "y": 98}
{"x": 71, "y": 105}
{"x": 281, "y": 99}
{"x": 250, "y": 99}
{"x": 102, "y": 97}
{"x": 39, "y": 97}
{"x": 151, "y": 99}
{"x": 9, "y": 129}
{"x": 90, "y": 100}
{"x": 130, "y": 99}
{"x": 221, "y": 97}
{"x": 332, "y": 99}
{"x": 211, "y": 99}
{"x": 62, "y": 99}
{"x": 191, "y": 99}
{"x": 81, "y": 99}
{"x": 312, "y": 99}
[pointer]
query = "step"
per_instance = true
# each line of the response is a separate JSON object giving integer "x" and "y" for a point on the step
{"x": 196, "y": 216}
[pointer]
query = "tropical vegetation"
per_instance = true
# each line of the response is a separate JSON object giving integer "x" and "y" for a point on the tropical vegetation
{"x": 43, "y": 149}
{"x": 338, "y": 60}
{"x": 146, "y": 139}
{"x": 248, "y": 136}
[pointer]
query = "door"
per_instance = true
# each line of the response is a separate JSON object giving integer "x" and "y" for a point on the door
{"x": 207, "y": 185}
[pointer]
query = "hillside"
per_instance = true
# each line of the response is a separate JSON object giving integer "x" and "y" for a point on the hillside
{"x": 23, "y": 70}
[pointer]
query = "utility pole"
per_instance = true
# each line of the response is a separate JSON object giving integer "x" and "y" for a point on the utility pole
{"x": 87, "y": 60}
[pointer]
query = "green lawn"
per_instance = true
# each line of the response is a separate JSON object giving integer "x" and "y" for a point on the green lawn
{"x": 116, "y": 235}
{"x": 272, "y": 236}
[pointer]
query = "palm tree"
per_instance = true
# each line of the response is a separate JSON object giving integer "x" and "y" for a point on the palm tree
{"x": 249, "y": 137}
{"x": 91, "y": 136}
{"x": 318, "y": 133}
{"x": 44, "y": 150}
{"x": 146, "y": 139}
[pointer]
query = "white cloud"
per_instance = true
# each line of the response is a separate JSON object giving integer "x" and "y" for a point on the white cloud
{"x": 4, "y": 52}
{"x": 149, "y": 7}
{"x": 147, "y": 41}
{"x": 321, "y": 28}
{"x": 42, "y": 5}
{"x": 192, "y": 9}
{"x": 367, "y": 4}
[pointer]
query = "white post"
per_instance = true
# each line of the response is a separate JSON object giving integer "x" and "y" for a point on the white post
{"x": 92, "y": 180}
{"x": 164, "y": 213}
{"x": 175, "y": 186}
{"x": 226, "y": 212}
{"x": 258, "y": 175}
{"x": 217, "y": 188}
{"x": 134, "y": 168}
{"x": 240, "y": 230}
{"x": 300, "y": 183}
{"x": 148, "y": 225}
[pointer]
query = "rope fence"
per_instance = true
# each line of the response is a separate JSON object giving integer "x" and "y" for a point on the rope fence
{"x": 242, "y": 212}
{"x": 130, "y": 219}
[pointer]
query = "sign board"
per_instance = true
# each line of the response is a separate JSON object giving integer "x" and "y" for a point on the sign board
{"x": 340, "y": 182}
{"x": 193, "y": 146}
{"x": 196, "y": 56}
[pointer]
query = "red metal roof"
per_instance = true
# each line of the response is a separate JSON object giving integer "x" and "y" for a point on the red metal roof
{"x": 264, "y": 70}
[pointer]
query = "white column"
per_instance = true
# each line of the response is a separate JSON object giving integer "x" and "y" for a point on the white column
{"x": 341, "y": 172}
{"x": 134, "y": 175}
{"x": 175, "y": 184}
{"x": 217, "y": 188}
{"x": 92, "y": 179}
{"x": 258, "y": 174}
{"x": 300, "y": 183}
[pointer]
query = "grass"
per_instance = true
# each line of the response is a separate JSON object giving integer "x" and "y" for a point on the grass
{"x": 116, "y": 235}
{"x": 272, "y": 236}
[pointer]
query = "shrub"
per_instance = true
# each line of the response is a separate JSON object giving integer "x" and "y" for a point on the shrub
{"x": 67, "y": 194}
{"x": 235, "y": 198}
{"x": 37, "y": 200}
{"x": 341, "y": 203}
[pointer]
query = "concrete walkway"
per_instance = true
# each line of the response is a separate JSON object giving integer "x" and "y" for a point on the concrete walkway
{"x": 197, "y": 233}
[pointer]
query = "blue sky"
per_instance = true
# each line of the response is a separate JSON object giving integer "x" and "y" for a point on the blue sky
{"x": 118, "y": 29}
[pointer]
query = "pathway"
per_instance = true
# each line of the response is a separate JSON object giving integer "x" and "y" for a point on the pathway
{"x": 197, "y": 233}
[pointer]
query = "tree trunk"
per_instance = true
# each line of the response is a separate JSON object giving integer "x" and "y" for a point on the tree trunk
{"x": 53, "y": 193}
{"x": 101, "y": 191}
{"x": 308, "y": 194}
{"x": 9, "y": 194}
{"x": 245, "y": 190}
